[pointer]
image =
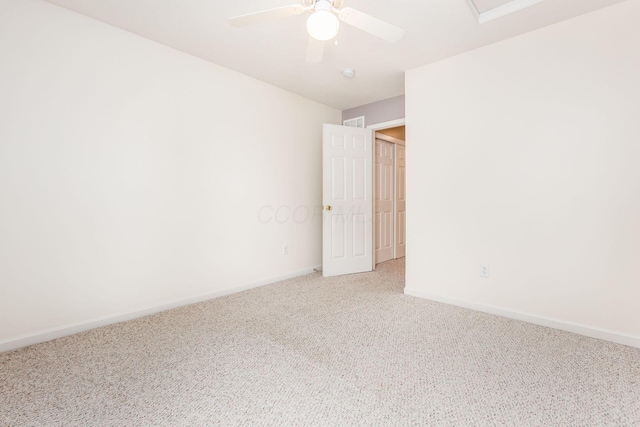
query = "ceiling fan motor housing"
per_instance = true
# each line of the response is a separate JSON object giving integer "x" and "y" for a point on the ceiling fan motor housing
{"x": 322, "y": 5}
{"x": 335, "y": 3}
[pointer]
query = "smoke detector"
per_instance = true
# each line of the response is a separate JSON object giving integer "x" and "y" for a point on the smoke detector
{"x": 348, "y": 73}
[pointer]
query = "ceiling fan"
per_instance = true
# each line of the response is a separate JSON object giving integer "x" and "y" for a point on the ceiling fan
{"x": 323, "y": 23}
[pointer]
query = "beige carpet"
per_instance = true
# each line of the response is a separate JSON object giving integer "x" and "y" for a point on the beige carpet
{"x": 310, "y": 351}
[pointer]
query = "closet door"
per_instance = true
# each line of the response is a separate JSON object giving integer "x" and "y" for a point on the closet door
{"x": 384, "y": 195}
{"x": 401, "y": 201}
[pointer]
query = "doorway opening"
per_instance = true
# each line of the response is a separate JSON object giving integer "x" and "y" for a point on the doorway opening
{"x": 349, "y": 197}
{"x": 389, "y": 187}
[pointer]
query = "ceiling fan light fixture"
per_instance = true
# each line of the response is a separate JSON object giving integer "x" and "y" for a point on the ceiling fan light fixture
{"x": 323, "y": 25}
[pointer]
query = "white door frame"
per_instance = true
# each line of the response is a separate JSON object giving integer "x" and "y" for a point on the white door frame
{"x": 384, "y": 201}
{"x": 389, "y": 124}
{"x": 374, "y": 128}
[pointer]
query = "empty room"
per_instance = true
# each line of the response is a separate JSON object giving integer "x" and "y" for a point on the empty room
{"x": 319, "y": 213}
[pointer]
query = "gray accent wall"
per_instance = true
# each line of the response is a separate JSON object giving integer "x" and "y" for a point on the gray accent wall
{"x": 378, "y": 112}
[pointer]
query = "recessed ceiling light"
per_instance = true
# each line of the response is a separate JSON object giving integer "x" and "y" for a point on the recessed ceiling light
{"x": 348, "y": 73}
{"x": 488, "y": 10}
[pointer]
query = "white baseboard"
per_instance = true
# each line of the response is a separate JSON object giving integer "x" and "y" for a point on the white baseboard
{"x": 589, "y": 331}
{"x": 74, "y": 328}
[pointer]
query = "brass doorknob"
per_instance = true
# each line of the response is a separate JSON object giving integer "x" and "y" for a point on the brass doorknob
{"x": 328, "y": 207}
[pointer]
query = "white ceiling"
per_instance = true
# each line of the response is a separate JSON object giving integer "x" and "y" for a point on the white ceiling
{"x": 485, "y": 5}
{"x": 275, "y": 51}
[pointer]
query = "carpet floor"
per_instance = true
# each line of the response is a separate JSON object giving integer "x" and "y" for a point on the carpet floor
{"x": 344, "y": 351}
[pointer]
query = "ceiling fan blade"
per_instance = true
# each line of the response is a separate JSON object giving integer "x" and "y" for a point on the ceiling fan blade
{"x": 371, "y": 25}
{"x": 315, "y": 50}
{"x": 266, "y": 15}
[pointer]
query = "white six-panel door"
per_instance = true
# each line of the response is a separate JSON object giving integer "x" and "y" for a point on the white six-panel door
{"x": 384, "y": 204}
{"x": 347, "y": 241}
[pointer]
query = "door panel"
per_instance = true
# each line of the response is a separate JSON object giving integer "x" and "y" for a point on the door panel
{"x": 347, "y": 189}
{"x": 338, "y": 183}
{"x": 360, "y": 226}
{"x": 384, "y": 192}
{"x": 401, "y": 202}
{"x": 339, "y": 242}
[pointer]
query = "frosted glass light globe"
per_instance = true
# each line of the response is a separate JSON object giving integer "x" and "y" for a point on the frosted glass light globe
{"x": 323, "y": 25}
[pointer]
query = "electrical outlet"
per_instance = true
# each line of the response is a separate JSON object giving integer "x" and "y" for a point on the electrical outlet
{"x": 285, "y": 250}
{"x": 484, "y": 270}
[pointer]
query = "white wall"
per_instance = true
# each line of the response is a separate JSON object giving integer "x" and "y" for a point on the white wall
{"x": 525, "y": 156}
{"x": 132, "y": 175}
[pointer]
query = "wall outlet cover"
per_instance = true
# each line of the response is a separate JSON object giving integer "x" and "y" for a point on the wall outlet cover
{"x": 484, "y": 270}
